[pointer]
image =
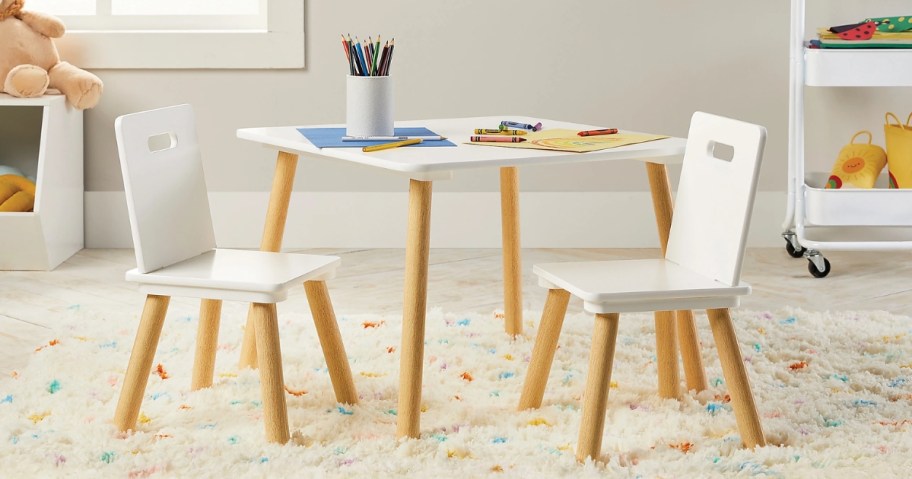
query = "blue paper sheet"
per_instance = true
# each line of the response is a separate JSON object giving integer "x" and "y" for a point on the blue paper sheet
{"x": 332, "y": 138}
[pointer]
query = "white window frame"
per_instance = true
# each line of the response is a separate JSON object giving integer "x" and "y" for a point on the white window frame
{"x": 280, "y": 45}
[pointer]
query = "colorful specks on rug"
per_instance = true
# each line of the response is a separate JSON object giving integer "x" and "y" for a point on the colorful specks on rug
{"x": 834, "y": 391}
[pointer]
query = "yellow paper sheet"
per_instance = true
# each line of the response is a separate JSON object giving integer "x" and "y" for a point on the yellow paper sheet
{"x": 568, "y": 140}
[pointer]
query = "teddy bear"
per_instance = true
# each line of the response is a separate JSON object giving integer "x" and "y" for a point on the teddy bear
{"x": 30, "y": 64}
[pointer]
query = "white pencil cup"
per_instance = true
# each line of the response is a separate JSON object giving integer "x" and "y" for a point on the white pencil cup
{"x": 369, "y": 106}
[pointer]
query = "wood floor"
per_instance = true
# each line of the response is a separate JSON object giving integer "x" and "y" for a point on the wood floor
{"x": 460, "y": 280}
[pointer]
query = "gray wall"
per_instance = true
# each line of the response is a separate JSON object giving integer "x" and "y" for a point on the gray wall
{"x": 641, "y": 65}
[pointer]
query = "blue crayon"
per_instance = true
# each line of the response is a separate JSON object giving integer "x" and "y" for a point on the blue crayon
{"x": 523, "y": 126}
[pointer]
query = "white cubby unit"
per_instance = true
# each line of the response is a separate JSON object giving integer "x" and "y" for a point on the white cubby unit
{"x": 42, "y": 137}
{"x": 838, "y": 219}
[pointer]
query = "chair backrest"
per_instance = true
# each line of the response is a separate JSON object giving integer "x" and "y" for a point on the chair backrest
{"x": 715, "y": 196}
{"x": 165, "y": 187}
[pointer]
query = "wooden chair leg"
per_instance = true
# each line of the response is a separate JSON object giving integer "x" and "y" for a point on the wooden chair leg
{"x": 273, "y": 231}
{"x": 736, "y": 378}
{"x": 272, "y": 382}
{"x": 331, "y": 341}
{"x": 248, "y": 357}
{"x": 543, "y": 352}
{"x": 512, "y": 260}
{"x": 694, "y": 374}
{"x": 206, "y": 344}
{"x": 667, "y": 355}
{"x": 134, "y": 384}
{"x": 414, "y": 305}
{"x": 595, "y": 400}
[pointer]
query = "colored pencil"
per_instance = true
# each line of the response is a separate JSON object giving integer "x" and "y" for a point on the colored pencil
{"x": 390, "y": 61}
{"x": 395, "y": 144}
{"x": 365, "y": 47}
{"x": 347, "y": 55}
{"x": 376, "y": 55}
{"x": 385, "y": 59}
{"x": 366, "y": 57}
{"x": 390, "y": 138}
{"x": 364, "y": 70}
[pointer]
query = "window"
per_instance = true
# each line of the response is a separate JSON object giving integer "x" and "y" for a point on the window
{"x": 179, "y": 33}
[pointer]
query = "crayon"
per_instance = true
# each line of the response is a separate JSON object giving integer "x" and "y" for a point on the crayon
{"x": 497, "y": 139}
{"x": 498, "y": 131}
{"x": 390, "y": 138}
{"x": 603, "y": 131}
{"x": 395, "y": 144}
{"x": 524, "y": 126}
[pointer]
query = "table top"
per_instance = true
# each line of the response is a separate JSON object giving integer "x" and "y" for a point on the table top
{"x": 436, "y": 163}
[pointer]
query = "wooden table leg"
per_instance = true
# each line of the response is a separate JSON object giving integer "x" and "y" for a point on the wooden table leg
{"x": 736, "y": 378}
{"x": 414, "y": 304}
{"x": 512, "y": 259}
{"x": 206, "y": 344}
{"x": 273, "y": 231}
{"x": 686, "y": 328}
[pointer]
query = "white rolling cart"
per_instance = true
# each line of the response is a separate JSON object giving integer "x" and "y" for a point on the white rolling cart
{"x": 841, "y": 220}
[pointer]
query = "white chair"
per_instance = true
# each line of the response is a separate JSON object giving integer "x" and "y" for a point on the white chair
{"x": 701, "y": 270}
{"x": 176, "y": 256}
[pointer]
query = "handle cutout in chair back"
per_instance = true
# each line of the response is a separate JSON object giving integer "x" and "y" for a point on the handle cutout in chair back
{"x": 161, "y": 142}
{"x": 721, "y": 151}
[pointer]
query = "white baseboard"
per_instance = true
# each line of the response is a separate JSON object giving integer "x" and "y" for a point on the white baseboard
{"x": 458, "y": 220}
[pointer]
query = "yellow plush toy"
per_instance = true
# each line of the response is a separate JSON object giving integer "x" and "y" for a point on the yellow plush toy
{"x": 17, "y": 193}
{"x": 899, "y": 150}
{"x": 857, "y": 165}
{"x": 30, "y": 64}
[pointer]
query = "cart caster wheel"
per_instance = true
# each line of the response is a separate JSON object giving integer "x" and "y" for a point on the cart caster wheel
{"x": 816, "y": 272}
{"x": 794, "y": 253}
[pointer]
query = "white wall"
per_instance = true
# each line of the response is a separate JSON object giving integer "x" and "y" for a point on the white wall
{"x": 642, "y": 65}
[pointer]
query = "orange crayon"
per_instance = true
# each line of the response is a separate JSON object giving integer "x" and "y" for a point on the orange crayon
{"x": 603, "y": 131}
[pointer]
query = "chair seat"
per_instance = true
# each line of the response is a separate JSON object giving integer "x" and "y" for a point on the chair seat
{"x": 638, "y": 285}
{"x": 239, "y": 275}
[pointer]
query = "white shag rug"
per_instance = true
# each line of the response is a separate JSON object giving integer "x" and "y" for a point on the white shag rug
{"x": 834, "y": 392}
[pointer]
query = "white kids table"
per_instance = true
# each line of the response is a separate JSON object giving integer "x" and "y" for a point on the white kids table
{"x": 423, "y": 166}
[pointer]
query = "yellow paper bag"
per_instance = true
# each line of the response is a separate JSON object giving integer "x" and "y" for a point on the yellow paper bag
{"x": 899, "y": 151}
{"x": 857, "y": 165}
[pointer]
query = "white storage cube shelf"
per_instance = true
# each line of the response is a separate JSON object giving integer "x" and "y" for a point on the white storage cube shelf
{"x": 43, "y": 138}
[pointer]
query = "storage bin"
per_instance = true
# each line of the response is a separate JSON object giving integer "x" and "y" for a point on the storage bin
{"x": 43, "y": 138}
